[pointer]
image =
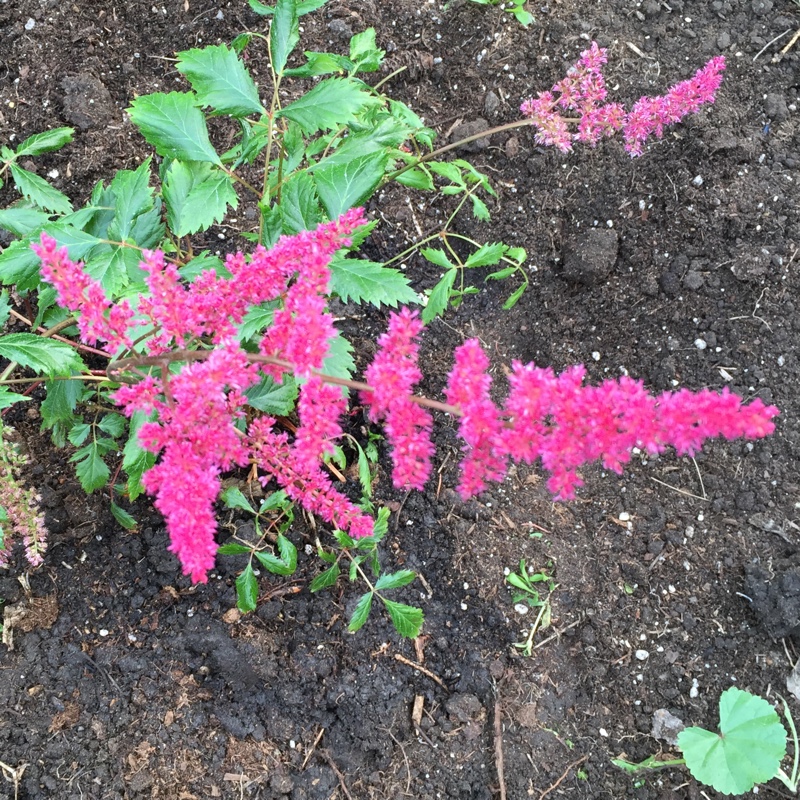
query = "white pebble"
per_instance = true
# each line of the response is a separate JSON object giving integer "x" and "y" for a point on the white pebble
{"x": 700, "y": 344}
{"x": 103, "y": 632}
{"x": 695, "y": 690}
{"x": 603, "y": 732}
{"x": 642, "y": 655}
{"x": 30, "y": 24}
{"x": 521, "y": 609}
{"x": 698, "y": 180}
{"x": 596, "y": 355}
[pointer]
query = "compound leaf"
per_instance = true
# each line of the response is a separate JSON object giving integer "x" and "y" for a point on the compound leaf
{"x": 44, "y": 356}
{"x": 331, "y": 103}
{"x": 39, "y": 191}
{"x": 407, "y": 620}
{"x": 197, "y": 195}
{"x": 362, "y": 281}
{"x": 342, "y": 186}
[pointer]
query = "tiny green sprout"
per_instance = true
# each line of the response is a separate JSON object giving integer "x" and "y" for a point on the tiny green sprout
{"x": 582, "y": 775}
{"x": 515, "y": 7}
{"x": 524, "y": 581}
{"x": 748, "y": 750}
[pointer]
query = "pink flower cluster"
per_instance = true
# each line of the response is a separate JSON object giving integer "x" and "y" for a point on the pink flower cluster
{"x": 197, "y": 410}
{"x": 583, "y": 91}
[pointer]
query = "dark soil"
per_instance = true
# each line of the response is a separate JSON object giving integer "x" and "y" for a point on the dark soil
{"x": 674, "y": 581}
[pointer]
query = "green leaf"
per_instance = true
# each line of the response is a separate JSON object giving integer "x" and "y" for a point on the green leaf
{"x": 256, "y": 320}
{"x": 275, "y": 399}
{"x": 79, "y": 433}
{"x": 8, "y": 398}
{"x": 449, "y": 171}
{"x": 325, "y": 579}
{"x": 439, "y": 297}
{"x": 61, "y": 401}
{"x": 112, "y": 424}
{"x": 246, "y": 590}
{"x": 39, "y": 191}
{"x": 396, "y": 579}
{"x": 487, "y": 255}
{"x": 284, "y": 33}
{"x": 123, "y": 517}
{"x": 339, "y": 361}
{"x": 748, "y": 750}
{"x": 286, "y": 564}
{"x": 343, "y": 539}
{"x": 407, "y": 620}
{"x": 201, "y": 263}
{"x": 436, "y": 256}
{"x": 21, "y": 221}
{"x": 360, "y": 281}
{"x": 317, "y": 64}
{"x": 5, "y": 308}
{"x": 220, "y": 80}
{"x": 45, "y": 142}
{"x": 501, "y": 274}
{"x": 196, "y": 195}
{"x": 44, "y": 356}
{"x": 364, "y": 51}
{"x": 479, "y": 209}
{"x": 514, "y": 298}
{"x": 233, "y": 498}
{"x": 174, "y": 125}
{"x": 232, "y": 549}
{"x": 416, "y": 178}
{"x": 299, "y": 206}
{"x": 360, "y": 612}
{"x": 19, "y": 266}
{"x": 303, "y": 7}
{"x": 330, "y": 104}
{"x": 135, "y": 459}
{"x": 133, "y": 196}
{"x": 90, "y": 468}
{"x": 342, "y": 186}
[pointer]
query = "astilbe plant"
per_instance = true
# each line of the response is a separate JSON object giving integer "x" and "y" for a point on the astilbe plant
{"x": 182, "y": 364}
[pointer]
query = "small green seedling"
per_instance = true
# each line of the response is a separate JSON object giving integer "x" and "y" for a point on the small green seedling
{"x": 747, "y": 751}
{"x": 527, "y": 593}
{"x": 515, "y": 7}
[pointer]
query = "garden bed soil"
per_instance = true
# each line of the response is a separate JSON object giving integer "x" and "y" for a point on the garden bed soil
{"x": 674, "y": 582}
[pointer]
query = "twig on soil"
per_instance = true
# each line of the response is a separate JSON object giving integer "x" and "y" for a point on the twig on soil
{"x": 498, "y": 744}
{"x": 405, "y": 758}
{"x": 557, "y": 634}
{"x": 679, "y": 491}
{"x": 566, "y": 772}
{"x": 327, "y": 756}
{"x": 421, "y": 669}
{"x": 16, "y": 775}
{"x": 313, "y": 748}
{"x": 769, "y": 44}
{"x": 779, "y": 56}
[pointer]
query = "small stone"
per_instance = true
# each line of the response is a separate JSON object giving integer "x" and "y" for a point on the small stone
{"x": 467, "y": 129}
{"x": 700, "y": 344}
{"x": 642, "y": 655}
{"x": 724, "y": 40}
{"x": 30, "y": 24}
{"x": 338, "y": 27}
{"x": 490, "y": 103}
{"x": 666, "y": 726}
{"x": 590, "y": 256}
{"x": 693, "y": 281}
{"x": 775, "y": 107}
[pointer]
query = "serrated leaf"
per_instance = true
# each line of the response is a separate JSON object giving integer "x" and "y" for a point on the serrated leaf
{"x": 220, "y": 80}
{"x": 748, "y": 750}
{"x": 135, "y": 459}
{"x": 364, "y": 51}
{"x": 286, "y": 564}
{"x": 439, "y": 297}
{"x": 396, "y": 579}
{"x": 19, "y": 266}
{"x": 360, "y": 281}
{"x": 330, "y": 104}
{"x": 317, "y": 64}
{"x": 90, "y": 468}
{"x": 232, "y": 549}
{"x": 284, "y": 33}
{"x": 8, "y": 398}
{"x": 407, "y": 620}
{"x": 299, "y": 206}
{"x": 501, "y": 274}
{"x": 275, "y": 399}
{"x": 123, "y": 517}
{"x": 487, "y": 255}
{"x": 360, "y": 612}
{"x": 233, "y": 498}
{"x": 5, "y": 308}
{"x": 79, "y": 433}
{"x": 325, "y": 579}
{"x": 436, "y": 256}
{"x": 246, "y": 590}
{"x": 174, "y": 125}
{"x": 39, "y": 191}
{"x": 43, "y": 356}
{"x": 61, "y": 401}
{"x": 339, "y": 361}
{"x": 21, "y": 221}
{"x": 203, "y": 262}
{"x": 112, "y": 424}
{"x": 45, "y": 142}
{"x": 514, "y": 298}
{"x": 479, "y": 209}
{"x": 343, "y": 186}
{"x": 196, "y": 195}
{"x": 133, "y": 196}
{"x": 448, "y": 170}
{"x": 343, "y": 539}
{"x": 416, "y": 178}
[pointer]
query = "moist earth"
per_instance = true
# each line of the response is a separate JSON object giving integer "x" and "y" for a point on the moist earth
{"x": 674, "y": 581}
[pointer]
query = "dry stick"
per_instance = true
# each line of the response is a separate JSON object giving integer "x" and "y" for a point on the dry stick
{"x": 313, "y": 748}
{"x": 498, "y": 744}
{"x": 566, "y": 772}
{"x": 421, "y": 669}
{"x": 405, "y": 757}
{"x": 327, "y": 756}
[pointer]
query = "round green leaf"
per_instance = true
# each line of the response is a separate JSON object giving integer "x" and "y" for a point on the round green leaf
{"x": 748, "y": 750}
